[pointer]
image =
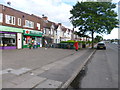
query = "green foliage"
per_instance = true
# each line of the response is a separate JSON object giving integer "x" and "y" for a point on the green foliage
{"x": 72, "y": 41}
{"x": 69, "y": 41}
{"x": 98, "y": 38}
{"x": 97, "y": 16}
{"x": 94, "y": 17}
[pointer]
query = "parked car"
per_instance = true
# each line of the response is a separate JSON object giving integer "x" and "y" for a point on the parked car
{"x": 115, "y": 42}
{"x": 101, "y": 45}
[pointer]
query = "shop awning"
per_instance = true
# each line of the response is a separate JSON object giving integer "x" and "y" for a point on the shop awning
{"x": 10, "y": 29}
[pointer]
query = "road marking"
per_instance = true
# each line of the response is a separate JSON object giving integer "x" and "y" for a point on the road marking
{"x": 16, "y": 72}
{"x": 6, "y": 71}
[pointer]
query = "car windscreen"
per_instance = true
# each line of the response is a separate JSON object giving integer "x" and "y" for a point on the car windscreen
{"x": 101, "y": 44}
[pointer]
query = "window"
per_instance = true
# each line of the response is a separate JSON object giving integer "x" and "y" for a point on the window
{"x": 1, "y": 17}
{"x": 56, "y": 32}
{"x": 44, "y": 31}
{"x": 19, "y": 21}
{"x": 8, "y": 39}
{"x": 51, "y": 32}
{"x": 26, "y": 23}
{"x": 38, "y": 26}
{"x": 10, "y": 19}
{"x": 56, "y": 40}
{"x": 29, "y": 24}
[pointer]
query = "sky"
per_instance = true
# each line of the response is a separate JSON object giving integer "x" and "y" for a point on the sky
{"x": 57, "y": 11}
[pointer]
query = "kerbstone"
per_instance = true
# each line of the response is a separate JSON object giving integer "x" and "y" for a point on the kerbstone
{"x": 49, "y": 84}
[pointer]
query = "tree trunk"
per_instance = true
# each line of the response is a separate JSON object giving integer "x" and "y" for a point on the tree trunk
{"x": 92, "y": 39}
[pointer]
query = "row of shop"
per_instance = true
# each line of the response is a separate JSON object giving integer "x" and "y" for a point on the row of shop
{"x": 18, "y": 38}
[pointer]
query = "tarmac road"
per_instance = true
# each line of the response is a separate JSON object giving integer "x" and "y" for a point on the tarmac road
{"x": 102, "y": 70}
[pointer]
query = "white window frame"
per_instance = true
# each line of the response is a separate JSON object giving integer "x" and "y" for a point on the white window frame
{"x": 44, "y": 30}
{"x": 1, "y": 17}
{"x": 19, "y": 21}
{"x": 13, "y": 20}
{"x": 26, "y": 23}
{"x": 38, "y": 26}
{"x": 10, "y": 19}
{"x": 29, "y": 24}
{"x": 7, "y": 18}
{"x": 51, "y": 32}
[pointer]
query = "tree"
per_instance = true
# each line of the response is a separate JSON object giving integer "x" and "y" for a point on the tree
{"x": 98, "y": 38}
{"x": 94, "y": 17}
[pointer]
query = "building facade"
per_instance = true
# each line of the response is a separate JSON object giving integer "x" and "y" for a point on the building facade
{"x": 19, "y": 29}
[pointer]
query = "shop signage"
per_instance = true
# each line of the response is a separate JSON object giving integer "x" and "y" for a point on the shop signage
{"x": 32, "y": 33}
{"x": 10, "y": 29}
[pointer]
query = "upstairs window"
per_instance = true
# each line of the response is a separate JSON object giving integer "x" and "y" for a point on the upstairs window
{"x": 19, "y": 21}
{"x": 38, "y": 26}
{"x": 29, "y": 24}
{"x": 10, "y": 19}
{"x": 56, "y": 32}
{"x": 51, "y": 32}
{"x": 1, "y": 17}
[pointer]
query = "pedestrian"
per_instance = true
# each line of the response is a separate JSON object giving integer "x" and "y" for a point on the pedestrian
{"x": 35, "y": 44}
{"x": 76, "y": 46}
{"x": 30, "y": 45}
{"x": 46, "y": 44}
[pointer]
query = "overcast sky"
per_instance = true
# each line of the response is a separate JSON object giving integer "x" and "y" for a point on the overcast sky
{"x": 56, "y": 10}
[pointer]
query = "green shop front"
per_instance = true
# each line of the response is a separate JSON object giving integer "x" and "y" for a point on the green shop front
{"x": 29, "y": 35}
{"x": 10, "y": 37}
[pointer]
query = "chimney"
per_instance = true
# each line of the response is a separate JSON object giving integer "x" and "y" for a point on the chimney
{"x": 45, "y": 18}
{"x": 60, "y": 24}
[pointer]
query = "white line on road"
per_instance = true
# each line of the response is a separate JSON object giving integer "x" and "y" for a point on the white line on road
{"x": 16, "y": 72}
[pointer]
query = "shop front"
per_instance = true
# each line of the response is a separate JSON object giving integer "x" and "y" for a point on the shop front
{"x": 32, "y": 35}
{"x": 10, "y": 37}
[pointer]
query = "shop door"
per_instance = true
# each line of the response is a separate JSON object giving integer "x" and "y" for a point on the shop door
{"x": 19, "y": 40}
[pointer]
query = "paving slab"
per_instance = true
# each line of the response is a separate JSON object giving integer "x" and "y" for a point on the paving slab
{"x": 51, "y": 74}
{"x": 31, "y": 82}
{"x": 22, "y": 78}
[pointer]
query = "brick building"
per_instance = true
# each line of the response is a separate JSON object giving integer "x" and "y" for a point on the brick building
{"x": 18, "y": 29}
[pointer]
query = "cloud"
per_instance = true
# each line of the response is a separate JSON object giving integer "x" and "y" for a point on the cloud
{"x": 112, "y": 35}
{"x": 55, "y": 10}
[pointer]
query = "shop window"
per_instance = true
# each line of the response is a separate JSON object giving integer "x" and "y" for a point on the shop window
{"x": 10, "y": 19}
{"x": 19, "y": 21}
{"x": 8, "y": 39}
{"x": 1, "y": 17}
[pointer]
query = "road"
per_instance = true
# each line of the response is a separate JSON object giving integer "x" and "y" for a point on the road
{"x": 101, "y": 71}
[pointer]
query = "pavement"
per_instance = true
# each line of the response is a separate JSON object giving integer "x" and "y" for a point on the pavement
{"x": 40, "y": 68}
